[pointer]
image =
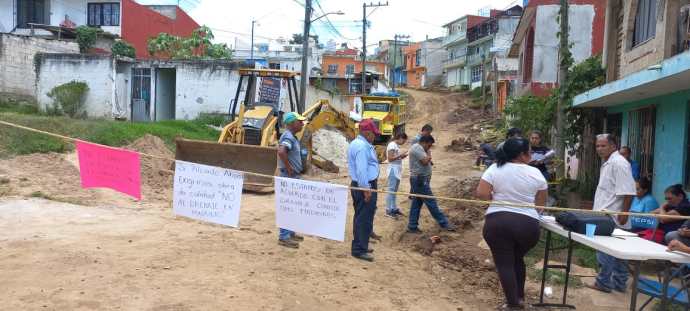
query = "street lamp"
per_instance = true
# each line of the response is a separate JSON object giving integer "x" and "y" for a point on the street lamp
{"x": 305, "y": 53}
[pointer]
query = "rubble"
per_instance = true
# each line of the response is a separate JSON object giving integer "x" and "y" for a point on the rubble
{"x": 331, "y": 145}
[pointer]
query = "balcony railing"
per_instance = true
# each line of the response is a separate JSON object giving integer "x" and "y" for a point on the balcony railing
{"x": 454, "y": 62}
{"x": 454, "y": 37}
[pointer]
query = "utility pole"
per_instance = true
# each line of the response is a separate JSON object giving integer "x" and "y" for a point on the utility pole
{"x": 305, "y": 57}
{"x": 251, "y": 47}
{"x": 364, "y": 41}
{"x": 564, "y": 54}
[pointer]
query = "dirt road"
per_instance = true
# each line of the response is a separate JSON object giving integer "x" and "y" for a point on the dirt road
{"x": 65, "y": 248}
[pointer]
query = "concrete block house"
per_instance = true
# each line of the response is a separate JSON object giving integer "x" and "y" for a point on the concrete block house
{"x": 647, "y": 94}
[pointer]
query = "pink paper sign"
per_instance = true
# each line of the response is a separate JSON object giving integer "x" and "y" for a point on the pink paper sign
{"x": 104, "y": 167}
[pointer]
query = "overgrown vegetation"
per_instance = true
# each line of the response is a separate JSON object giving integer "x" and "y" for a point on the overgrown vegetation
{"x": 582, "y": 256}
{"x": 122, "y": 48}
{"x": 68, "y": 99}
{"x": 86, "y": 37}
{"x": 113, "y": 133}
{"x": 197, "y": 46}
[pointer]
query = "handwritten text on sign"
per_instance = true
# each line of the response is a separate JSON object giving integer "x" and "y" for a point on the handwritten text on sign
{"x": 207, "y": 193}
{"x": 113, "y": 168}
{"x": 311, "y": 207}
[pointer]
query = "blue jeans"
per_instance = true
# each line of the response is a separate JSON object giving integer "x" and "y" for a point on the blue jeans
{"x": 613, "y": 273}
{"x": 363, "y": 220}
{"x": 285, "y": 234}
{"x": 393, "y": 184}
{"x": 421, "y": 185}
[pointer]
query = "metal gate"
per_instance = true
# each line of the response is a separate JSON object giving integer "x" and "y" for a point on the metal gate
{"x": 641, "y": 124}
{"x": 141, "y": 94}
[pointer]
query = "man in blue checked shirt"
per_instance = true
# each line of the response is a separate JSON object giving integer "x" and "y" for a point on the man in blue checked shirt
{"x": 363, "y": 167}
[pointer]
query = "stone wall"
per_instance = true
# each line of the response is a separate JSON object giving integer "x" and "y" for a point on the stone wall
{"x": 17, "y": 70}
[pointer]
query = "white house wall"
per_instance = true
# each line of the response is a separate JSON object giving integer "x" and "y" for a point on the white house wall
{"x": 17, "y": 71}
{"x": 95, "y": 71}
{"x": 545, "y": 63}
{"x": 204, "y": 89}
{"x": 7, "y": 11}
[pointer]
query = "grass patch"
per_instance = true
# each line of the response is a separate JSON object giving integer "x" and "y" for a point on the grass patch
{"x": 108, "y": 132}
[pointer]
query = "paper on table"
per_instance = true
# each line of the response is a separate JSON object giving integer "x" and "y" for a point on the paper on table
{"x": 619, "y": 232}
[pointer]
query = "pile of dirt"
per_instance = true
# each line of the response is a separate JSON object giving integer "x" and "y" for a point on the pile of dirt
{"x": 156, "y": 172}
{"x": 331, "y": 145}
{"x": 460, "y": 187}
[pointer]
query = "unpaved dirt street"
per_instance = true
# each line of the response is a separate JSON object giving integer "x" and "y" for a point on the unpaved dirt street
{"x": 66, "y": 248}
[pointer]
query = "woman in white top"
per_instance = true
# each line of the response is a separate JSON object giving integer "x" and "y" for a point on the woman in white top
{"x": 394, "y": 173}
{"x": 509, "y": 231}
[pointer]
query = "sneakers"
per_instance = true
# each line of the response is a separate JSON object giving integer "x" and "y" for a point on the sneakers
{"x": 392, "y": 215}
{"x": 399, "y": 213}
{"x": 449, "y": 227}
{"x": 288, "y": 243}
{"x": 375, "y": 236}
{"x": 415, "y": 230}
{"x": 598, "y": 287}
{"x": 297, "y": 238}
{"x": 365, "y": 257}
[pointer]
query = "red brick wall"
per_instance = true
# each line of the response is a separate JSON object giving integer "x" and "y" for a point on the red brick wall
{"x": 139, "y": 23}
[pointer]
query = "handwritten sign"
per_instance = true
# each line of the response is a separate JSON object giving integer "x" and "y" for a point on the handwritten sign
{"x": 105, "y": 167}
{"x": 313, "y": 208}
{"x": 207, "y": 193}
{"x": 269, "y": 92}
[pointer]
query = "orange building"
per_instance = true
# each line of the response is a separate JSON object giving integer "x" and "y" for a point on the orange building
{"x": 413, "y": 66}
{"x": 343, "y": 72}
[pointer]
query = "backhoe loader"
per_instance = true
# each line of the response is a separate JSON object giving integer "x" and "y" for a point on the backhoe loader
{"x": 248, "y": 142}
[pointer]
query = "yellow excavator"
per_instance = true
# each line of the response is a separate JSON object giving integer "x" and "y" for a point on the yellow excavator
{"x": 248, "y": 142}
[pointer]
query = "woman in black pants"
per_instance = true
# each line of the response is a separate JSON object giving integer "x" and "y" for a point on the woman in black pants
{"x": 511, "y": 232}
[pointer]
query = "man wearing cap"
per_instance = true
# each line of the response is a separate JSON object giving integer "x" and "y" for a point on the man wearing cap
{"x": 363, "y": 167}
{"x": 290, "y": 166}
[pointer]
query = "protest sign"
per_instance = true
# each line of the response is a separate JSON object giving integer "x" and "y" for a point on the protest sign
{"x": 207, "y": 193}
{"x": 313, "y": 208}
{"x": 105, "y": 167}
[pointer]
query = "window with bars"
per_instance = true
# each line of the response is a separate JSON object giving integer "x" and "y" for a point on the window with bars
{"x": 645, "y": 22}
{"x": 32, "y": 11}
{"x": 417, "y": 57}
{"x": 332, "y": 69}
{"x": 641, "y": 124}
{"x": 477, "y": 73}
{"x": 350, "y": 69}
{"x": 274, "y": 66}
{"x": 104, "y": 14}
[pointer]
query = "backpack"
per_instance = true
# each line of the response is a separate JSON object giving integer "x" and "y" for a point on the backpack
{"x": 577, "y": 222}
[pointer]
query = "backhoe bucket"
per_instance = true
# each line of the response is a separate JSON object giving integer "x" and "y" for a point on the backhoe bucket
{"x": 246, "y": 158}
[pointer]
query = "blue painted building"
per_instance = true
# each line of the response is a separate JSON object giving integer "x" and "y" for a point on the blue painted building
{"x": 648, "y": 91}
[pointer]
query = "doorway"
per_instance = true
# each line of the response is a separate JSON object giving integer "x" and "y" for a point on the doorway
{"x": 141, "y": 94}
{"x": 165, "y": 94}
{"x": 641, "y": 123}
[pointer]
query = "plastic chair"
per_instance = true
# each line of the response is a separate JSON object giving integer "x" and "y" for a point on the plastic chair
{"x": 675, "y": 295}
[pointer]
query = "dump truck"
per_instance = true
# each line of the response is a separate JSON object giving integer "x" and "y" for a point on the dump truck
{"x": 248, "y": 143}
{"x": 388, "y": 110}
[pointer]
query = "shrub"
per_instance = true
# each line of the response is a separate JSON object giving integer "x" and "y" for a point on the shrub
{"x": 86, "y": 37}
{"x": 68, "y": 99}
{"x": 476, "y": 92}
{"x": 122, "y": 48}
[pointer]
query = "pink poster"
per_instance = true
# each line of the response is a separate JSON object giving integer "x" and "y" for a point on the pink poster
{"x": 105, "y": 167}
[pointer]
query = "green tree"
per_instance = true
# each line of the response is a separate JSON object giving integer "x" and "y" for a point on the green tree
{"x": 197, "y": 46}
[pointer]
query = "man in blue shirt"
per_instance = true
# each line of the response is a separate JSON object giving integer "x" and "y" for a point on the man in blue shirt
{"x": 290, "y": 166}
{"x": 634, "y": 165}
{"x": 426, "y": 131}
{"x": 363, "y": 167}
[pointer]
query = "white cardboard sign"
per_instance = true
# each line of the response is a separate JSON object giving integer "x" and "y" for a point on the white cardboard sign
{"x": 207, "y": 193}
{"x": 312, "y": 208}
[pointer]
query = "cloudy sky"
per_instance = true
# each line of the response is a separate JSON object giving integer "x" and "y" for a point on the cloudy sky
{"x": 231, "y": 20}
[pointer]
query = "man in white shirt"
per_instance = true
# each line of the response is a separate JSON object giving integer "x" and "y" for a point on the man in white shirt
{"x": 395, "y": 158}
{"x": 614, "y": 192}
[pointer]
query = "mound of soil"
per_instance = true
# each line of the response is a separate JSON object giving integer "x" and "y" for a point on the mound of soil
{"x": 156, "y": 172}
